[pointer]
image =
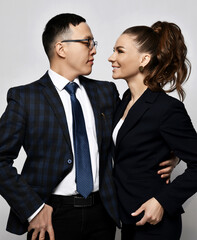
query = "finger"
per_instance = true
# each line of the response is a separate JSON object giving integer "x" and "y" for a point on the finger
{"x": 29, "y": 228}
{"x": 51, "y": 233}
{"x": 34, "y": 235}
{"x": 165, "y": 163}
{"x": 167, "y": 181}
{"x": 165, "y": 170}
{"x": 142, "y": 221}
{"x": 152, "y": 223}
{"x": 165, "y": 176}
{"x": 42, "y": 235}
{"x": 137, "y": 212}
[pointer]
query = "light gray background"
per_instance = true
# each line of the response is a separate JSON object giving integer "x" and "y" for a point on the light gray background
{"x": 23, "y": 60}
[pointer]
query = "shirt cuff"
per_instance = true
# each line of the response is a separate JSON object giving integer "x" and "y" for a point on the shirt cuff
{"x": 36, "y": 212}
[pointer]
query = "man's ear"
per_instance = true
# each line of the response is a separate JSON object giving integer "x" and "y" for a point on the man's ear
{"x": 145, "y": 59}
{"x": 60, "y": 50}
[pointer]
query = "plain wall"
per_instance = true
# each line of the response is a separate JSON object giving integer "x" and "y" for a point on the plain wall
{"x": 22, "y": 58}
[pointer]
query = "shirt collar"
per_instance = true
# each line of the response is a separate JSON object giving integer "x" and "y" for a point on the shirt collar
{"x": 59, "y": 81}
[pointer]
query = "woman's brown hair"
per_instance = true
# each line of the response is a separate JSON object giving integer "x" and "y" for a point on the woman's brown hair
{"x": 169, "y": 64}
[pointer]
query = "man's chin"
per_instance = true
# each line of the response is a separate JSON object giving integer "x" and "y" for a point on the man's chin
{"x": 87, "y": 72}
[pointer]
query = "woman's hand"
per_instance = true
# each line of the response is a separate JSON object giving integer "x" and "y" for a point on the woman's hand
{"x": 153, "y": 212}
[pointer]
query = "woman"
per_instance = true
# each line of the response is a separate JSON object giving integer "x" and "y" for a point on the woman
{"x": 149, "y": 124}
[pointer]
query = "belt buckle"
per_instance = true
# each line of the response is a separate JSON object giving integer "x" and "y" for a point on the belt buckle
{"x": 83, "y": 202}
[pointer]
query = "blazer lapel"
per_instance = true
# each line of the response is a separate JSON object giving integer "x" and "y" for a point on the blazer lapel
{"x": 55, "y": 102}
{"x": 136, "y": 112}
{"x": 92, "y": 93}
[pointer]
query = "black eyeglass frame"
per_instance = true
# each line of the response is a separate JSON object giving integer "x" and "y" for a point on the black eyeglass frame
{"x": 90, "y": 46}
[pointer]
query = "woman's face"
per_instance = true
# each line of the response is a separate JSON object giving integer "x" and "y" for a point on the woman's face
{"x": 126, "y": 59}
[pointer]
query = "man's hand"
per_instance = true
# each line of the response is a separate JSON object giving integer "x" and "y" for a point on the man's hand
{"x": 153, "y": 212}
{"x": 168, "y": 165}
{"x": 42, "y": 223}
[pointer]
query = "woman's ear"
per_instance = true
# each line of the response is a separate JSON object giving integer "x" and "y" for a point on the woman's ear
{"x": 145, "y": 59}
{"x": 60, "y": 50}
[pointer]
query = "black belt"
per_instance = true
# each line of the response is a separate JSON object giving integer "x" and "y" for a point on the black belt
{"x": 77, "y": 200}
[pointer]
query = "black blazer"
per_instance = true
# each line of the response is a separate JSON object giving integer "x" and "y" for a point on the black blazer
{"x": 35, "y": 120}
{"x": 155, "y": 125}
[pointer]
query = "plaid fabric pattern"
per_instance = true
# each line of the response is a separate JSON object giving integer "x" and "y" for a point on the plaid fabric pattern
{"x": 35, "y": 120}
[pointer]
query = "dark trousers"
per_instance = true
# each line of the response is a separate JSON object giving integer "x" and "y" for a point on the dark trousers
{"x": 168, "y": 229}
{"x": 80, "y": 223}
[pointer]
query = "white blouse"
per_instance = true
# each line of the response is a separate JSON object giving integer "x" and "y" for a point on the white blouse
{"x": 116, "y": 130}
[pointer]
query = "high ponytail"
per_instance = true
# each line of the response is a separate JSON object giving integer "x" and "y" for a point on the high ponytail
{"x": 169, "y": 64}
{"x": 173, "y": 66}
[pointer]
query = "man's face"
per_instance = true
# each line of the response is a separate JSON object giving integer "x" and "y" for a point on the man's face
{"x": 79, "y": 58}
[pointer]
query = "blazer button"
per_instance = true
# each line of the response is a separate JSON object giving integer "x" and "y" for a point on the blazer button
{"x": 69, "y": 161}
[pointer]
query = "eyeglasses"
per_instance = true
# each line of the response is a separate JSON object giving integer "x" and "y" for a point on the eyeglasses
{"x": 90, "y": 43}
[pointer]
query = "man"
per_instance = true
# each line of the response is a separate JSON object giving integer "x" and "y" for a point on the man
{"x": 45, "y": 118}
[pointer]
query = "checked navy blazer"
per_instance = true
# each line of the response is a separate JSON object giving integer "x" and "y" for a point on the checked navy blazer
{"x": 35, "y": 120}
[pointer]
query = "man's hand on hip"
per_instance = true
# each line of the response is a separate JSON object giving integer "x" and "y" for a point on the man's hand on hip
{"x": 42, "y": 223}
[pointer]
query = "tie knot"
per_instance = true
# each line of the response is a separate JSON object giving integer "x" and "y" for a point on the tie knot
{"x": 71, "y": 87}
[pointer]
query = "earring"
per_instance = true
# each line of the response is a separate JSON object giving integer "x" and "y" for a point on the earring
{"x": 141, "y": 69}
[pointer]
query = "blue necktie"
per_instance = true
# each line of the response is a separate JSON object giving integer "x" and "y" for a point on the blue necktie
{"x": 84, "y": 178}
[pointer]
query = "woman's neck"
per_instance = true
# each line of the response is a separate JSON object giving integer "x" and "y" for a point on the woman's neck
{"x": 137, "y": 88}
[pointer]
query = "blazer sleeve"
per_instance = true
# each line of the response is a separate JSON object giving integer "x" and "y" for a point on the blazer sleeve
{"x": 13, "y": 187}
{"x": 116, "y": 98}
{"x": 178, "y": 132}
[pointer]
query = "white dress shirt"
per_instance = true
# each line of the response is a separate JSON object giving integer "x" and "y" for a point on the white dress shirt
{"x": 67, "y": 186}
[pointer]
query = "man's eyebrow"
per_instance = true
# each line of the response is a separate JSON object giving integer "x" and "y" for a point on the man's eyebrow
{"x": 89, "y": 37}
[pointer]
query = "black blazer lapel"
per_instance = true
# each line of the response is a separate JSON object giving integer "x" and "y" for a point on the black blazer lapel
{"x": 92, "y": 93}
{"x": 55, "y": 102}
{"x": 136, "y": 112}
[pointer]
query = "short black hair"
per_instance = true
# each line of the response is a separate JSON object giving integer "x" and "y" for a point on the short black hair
{"x": 57, "y": 25}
